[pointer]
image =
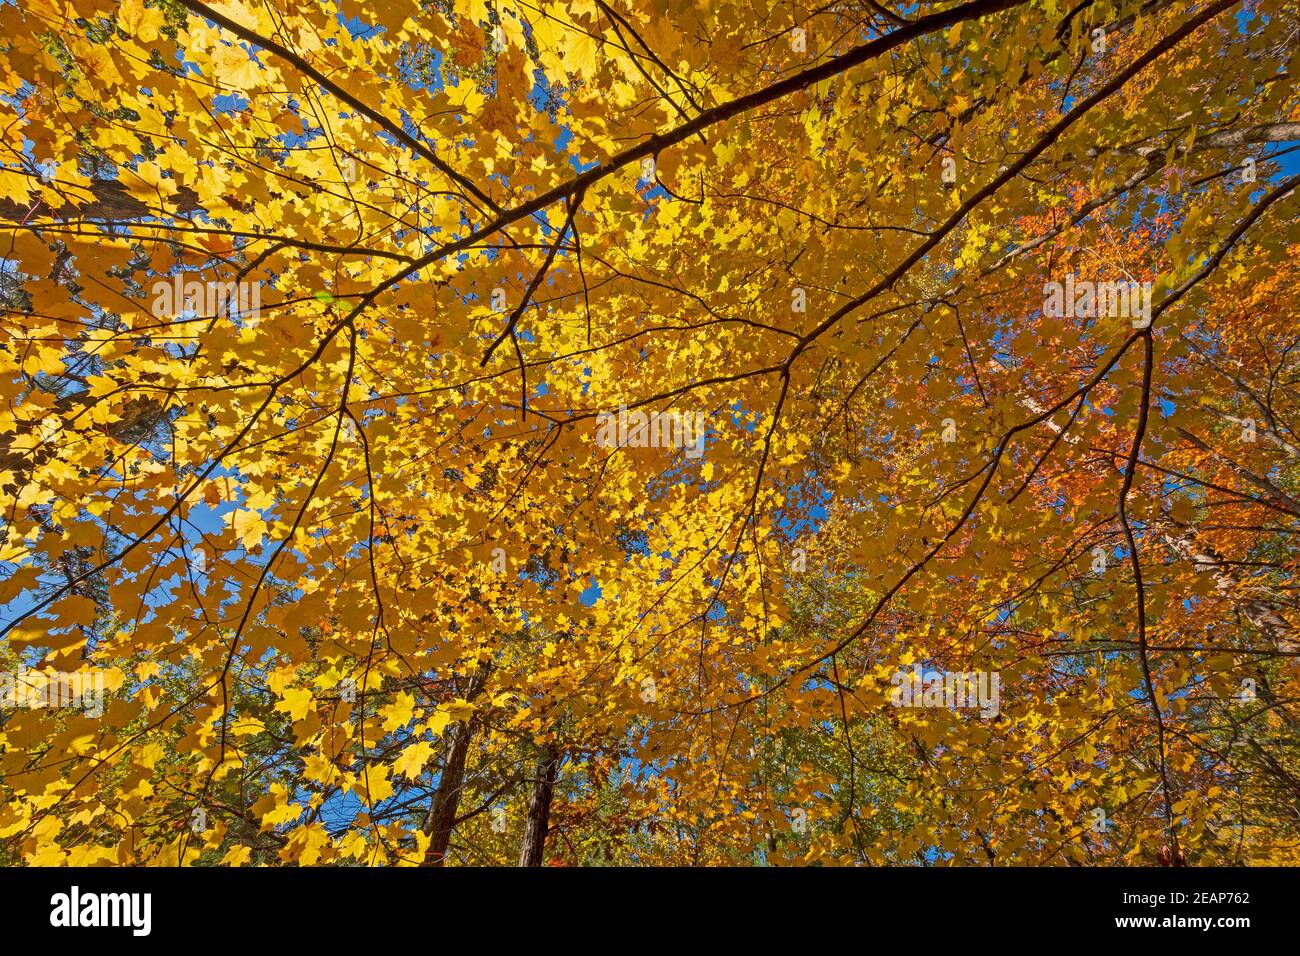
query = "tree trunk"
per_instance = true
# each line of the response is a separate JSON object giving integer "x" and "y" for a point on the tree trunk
{"x": 539, "y": 806}
{"x": 441, "y": 817}
{"x": 110, "y": 201}
{"x": 1228, "y": 585}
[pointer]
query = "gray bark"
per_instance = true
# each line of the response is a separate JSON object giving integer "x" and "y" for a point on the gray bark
{"x": 538, "y": 820}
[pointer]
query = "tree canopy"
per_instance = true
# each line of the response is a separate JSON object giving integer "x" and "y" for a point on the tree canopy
{"x": 585, "y": 432}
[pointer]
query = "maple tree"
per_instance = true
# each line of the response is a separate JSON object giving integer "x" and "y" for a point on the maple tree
{"x": 452, "y": 431}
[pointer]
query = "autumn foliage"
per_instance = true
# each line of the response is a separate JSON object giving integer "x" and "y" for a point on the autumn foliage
{"x": 506, "y": 432}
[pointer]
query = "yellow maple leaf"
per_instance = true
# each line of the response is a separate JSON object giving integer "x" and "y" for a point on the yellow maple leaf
{"x": 237, "y": 856}
{"x": 142, "y": 23}
{"x": 249, "y": 526}
{"x": 399, "y": 712}
{"x": 580, "y": 53}
{"x": 295, "y": 701}
{"x": 147, "y": 184}
{"x": 460, "y": 709}
{"x": 232, "y": 66}
{"x": 412, "y": 760}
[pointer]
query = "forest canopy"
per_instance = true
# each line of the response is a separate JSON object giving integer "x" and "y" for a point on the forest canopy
{"x": 621, "y": 432}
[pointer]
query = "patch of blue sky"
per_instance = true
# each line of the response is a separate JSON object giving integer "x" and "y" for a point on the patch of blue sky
{"x": 357, "y": 28}
{"x": 591, "y": 593}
